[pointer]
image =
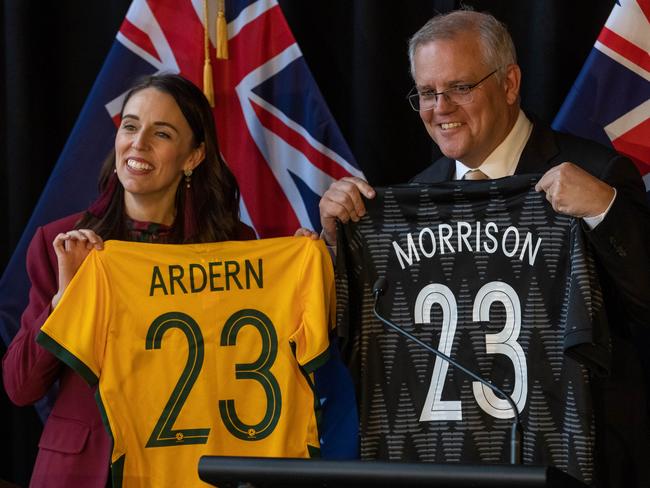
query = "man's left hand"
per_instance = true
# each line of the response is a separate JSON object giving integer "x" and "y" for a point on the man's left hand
{"x": 573, "y": 191}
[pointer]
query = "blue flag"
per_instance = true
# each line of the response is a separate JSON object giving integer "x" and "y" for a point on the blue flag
{"x": 610, "y": 100}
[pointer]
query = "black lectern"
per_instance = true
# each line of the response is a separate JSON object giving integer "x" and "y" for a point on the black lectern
{"x": 267, "y": 472}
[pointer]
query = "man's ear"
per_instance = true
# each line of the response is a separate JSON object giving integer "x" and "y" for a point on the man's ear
{"x": 512, "y": 83}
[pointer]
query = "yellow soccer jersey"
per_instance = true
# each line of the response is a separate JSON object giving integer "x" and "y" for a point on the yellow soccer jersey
{"x": 199, "y": 349}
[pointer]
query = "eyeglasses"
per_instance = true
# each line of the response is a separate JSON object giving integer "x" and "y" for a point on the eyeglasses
{"x": 456, "y": 95}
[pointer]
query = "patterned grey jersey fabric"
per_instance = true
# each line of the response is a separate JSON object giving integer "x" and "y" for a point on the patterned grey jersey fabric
{"x": 490, "y": 275}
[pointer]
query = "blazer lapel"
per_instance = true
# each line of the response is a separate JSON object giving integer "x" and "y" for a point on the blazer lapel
{"x": 442, "y": 170}
{"x": 539, "y": 151}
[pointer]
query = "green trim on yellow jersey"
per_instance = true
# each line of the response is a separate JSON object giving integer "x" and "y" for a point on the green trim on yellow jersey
{"x": 315, "y": 363}
{"x": 64, "y": 355}
{"x": 314, "y": 452}
{"x": 117, "y": 471}
{"x": 104, "y": 416}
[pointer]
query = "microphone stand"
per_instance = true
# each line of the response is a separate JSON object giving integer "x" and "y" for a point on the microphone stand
{"x": 516, "y": 445}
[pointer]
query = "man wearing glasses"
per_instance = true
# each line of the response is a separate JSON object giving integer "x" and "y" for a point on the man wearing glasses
{"x": 467, "y": 94}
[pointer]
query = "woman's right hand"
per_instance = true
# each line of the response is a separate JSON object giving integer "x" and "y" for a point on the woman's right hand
{"x": 71, "y": 249}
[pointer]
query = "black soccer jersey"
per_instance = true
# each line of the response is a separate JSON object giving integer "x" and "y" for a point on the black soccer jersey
{"x": 490, "y": 275}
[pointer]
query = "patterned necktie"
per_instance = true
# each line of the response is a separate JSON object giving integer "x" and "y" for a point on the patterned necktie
{"x": 475, "y": 174}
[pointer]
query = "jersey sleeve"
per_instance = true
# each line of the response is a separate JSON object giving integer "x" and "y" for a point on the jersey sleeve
{"x": 311, "y": 339}
{"x": 76, "y": 331}
{"x": 586, "y": 333}
{"x": 343, "y": 325}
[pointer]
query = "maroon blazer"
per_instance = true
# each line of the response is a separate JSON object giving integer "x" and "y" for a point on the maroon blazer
{"x": 74, "y": 449}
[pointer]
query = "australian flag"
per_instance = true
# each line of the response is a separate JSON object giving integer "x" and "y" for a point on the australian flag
{"x": 610, "y": 100}
{"x": 275, "y": 133}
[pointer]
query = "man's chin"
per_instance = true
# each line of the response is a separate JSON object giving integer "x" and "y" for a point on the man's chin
{"x": 451, "y": 152}
{"x": 451, "y": 146}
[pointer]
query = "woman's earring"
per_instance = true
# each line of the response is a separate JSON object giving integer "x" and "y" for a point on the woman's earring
{"x": 188, "y": 177}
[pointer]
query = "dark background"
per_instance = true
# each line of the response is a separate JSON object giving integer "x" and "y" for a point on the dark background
{"x": 51, "y": 52}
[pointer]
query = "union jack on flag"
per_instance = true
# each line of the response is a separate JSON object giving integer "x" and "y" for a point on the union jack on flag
{"x": 610, "y": 100}
{"x": 275, "y": 131}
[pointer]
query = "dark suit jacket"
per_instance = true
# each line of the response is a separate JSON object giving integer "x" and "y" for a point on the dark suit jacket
{"x": 74, "y": 449}
{"x": 621, "y": 243}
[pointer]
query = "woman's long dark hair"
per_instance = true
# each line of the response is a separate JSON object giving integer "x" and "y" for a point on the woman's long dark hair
{"x": 214, "y": 212}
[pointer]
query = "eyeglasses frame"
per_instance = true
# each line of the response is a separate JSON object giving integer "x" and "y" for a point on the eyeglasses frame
{"x": 436, "y": 95}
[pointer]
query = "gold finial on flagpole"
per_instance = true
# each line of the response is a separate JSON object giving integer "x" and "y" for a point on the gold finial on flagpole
{"x": 208, "y": 86}
{"x": 222, "y": 30}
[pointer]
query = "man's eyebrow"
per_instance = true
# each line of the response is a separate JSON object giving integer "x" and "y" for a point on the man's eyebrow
{"x": 449, "y": 84}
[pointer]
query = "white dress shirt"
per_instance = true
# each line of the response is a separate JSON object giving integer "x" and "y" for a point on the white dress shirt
{"x": 505, "y": 157}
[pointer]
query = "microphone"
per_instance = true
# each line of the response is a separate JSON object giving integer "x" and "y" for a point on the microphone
{"x": 516, "y": 445}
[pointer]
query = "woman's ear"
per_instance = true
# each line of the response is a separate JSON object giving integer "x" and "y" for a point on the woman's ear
{"x": 196, "y": 157}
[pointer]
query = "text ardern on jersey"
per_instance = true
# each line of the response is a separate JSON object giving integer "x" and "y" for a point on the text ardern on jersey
{"x": 212, "y": 276}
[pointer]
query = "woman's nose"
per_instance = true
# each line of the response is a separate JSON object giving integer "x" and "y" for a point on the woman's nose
{"x": 140, "y": 140}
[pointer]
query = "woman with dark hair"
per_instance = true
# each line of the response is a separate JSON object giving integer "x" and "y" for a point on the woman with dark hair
{"x": 165, "y": 182}
{"x": 207, "y": 205}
